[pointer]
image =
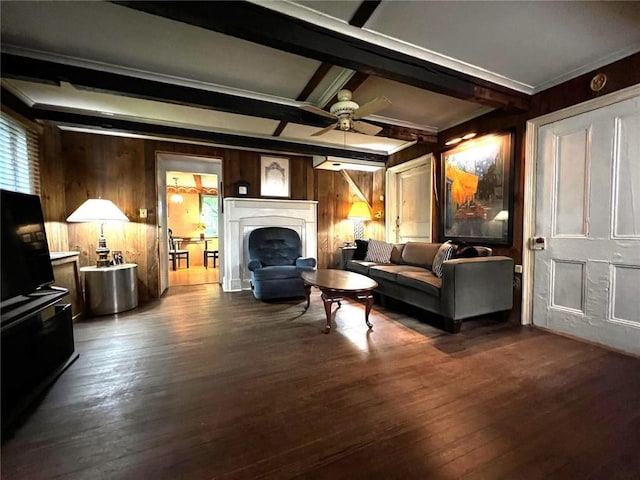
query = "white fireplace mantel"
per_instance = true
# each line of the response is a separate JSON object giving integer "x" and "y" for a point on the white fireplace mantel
{"x": 242, "y": 215}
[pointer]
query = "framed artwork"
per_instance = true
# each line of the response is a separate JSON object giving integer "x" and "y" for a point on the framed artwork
{"x": 274, "y": 177}
{"x": 477, "y": 191}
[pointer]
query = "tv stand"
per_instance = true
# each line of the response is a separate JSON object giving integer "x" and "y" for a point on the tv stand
{"x": 35, "y": 351}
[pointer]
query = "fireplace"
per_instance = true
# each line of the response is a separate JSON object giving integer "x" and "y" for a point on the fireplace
{"x": 242, "y": 215}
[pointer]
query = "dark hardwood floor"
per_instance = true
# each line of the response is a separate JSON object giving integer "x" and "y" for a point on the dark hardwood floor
{"x": 209, "y": 385}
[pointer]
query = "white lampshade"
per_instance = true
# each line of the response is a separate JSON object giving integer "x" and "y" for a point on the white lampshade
{"x": 97, "y": 210}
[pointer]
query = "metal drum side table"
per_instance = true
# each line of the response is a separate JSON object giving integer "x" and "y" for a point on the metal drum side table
{"x": 111, "y": 289}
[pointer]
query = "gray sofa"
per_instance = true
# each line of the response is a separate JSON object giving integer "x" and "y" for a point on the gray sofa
{"x": 469, "y": 286}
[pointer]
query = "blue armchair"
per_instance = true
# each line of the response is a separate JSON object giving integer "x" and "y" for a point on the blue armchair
{"x": 276, "y": 262}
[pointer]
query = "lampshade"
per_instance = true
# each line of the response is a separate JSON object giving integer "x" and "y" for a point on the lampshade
{"x": 359, "y": 211}
{"x": 97, "y": 210}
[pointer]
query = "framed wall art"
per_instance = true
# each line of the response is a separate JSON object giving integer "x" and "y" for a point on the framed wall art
{"x": 274, "y": 177}
{"x": 477, "y": 191}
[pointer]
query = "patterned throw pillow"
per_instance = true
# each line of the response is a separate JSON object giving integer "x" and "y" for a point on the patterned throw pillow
{"x": 379, "y": 252}
{"x": 445, "y": 252}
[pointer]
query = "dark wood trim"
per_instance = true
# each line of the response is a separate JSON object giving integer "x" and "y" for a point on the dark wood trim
{"x": 405, "y": 133}
{"x": 261, "y": 25}
{"x": 15, "y": 104}
{"x": 178, "y": 133}
{"x": 25, "y": 68}
{"x": 364, "y": 12}
{"x": 313, "y": 82}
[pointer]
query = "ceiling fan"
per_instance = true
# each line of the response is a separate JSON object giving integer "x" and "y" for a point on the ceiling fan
{"x": 347, "y": 112}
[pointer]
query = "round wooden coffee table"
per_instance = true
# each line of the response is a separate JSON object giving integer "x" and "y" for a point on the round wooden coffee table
{"x": 337, "y": 284}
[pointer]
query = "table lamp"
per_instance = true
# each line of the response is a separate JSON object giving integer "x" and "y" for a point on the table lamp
{"x": 99, "y": 210}
{"x": 359, "y": 213}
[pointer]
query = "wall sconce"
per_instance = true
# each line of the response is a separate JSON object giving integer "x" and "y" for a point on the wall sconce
{"x": 99, "y": 210}
{"x": 359, "y": 213}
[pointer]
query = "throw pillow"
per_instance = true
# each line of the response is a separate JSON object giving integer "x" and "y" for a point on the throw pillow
{"x": 379, "y": 252}
{"x": 445, "y": 252}
{"x": 361, "y": 250}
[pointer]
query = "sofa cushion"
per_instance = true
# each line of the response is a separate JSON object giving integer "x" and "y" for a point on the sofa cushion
{"x": 276, "y": 272}
{"x": 420, "y": 254}
{"x": 378, "y": 251}
{"x": 424, "y": 281}
{"x": 360, "y": 266}
{"x": 396, "y": 253}
{"x": 389, "y": 272}
{"x": 361, "y": 250}
{"x": 445, "y": 252}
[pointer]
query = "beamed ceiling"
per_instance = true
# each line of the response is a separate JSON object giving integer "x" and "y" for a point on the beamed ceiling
{"x": 238, "y": 73}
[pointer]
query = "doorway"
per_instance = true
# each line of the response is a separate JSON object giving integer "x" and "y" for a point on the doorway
{"x": 409, "y": 188}
{"x": 583, "y": 254}
{"x": 190, "y": 177}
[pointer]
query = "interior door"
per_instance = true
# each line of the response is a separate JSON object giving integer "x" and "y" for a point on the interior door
{"x": 587, "y": 277}
{"x": 412, "y": 202}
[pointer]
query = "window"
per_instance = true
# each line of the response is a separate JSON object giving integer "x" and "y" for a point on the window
{"x": 19, "y": 159}
{"x": 209, "y": 214}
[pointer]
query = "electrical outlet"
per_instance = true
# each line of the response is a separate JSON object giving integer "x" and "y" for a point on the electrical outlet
{"x": 518, "y": 268}
{"x": 143, "y": 213}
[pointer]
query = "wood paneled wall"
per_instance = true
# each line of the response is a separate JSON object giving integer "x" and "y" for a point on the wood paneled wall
{"x": 77, "y": 166}
{"x": 335, "y": 197}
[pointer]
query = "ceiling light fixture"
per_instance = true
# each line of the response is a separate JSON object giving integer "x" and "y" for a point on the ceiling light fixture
{"x": 453, "y": 141}
{"x": 337, "y": 164}
{"x": 176, "y": 197}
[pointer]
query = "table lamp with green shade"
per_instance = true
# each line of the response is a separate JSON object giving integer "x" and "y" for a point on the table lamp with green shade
{"x": 99, "y": 210}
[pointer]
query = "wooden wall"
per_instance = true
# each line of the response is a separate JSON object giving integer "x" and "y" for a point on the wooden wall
{"x": 335, "y": 197}
{"x": 76, "y": 166}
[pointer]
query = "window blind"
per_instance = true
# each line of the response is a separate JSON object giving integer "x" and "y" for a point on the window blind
{"x": 19, "y": 159}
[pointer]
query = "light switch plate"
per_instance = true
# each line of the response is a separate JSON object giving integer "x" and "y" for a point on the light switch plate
{"x": 143, "y": 213}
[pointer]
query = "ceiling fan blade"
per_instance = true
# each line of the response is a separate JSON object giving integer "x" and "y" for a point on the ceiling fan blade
{"x": 371, "y": 107}
{"x": 325, "y": 130}
{"x": 366, "y": 128}
{"x": 317, "y": 111}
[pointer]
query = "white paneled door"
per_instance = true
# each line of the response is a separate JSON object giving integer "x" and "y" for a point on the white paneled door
{"x": 409, "y": 206}
{"x": 587, "y": 277}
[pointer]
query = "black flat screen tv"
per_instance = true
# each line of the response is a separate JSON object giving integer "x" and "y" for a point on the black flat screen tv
{"x": 26, "y": 263}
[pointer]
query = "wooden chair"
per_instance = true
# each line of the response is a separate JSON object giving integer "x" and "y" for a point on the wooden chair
{"x": 175, "y": 254}
{"x": 209, "y": 254}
